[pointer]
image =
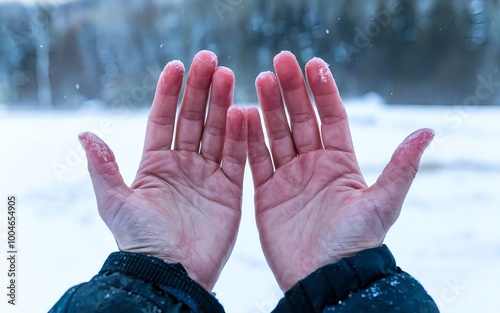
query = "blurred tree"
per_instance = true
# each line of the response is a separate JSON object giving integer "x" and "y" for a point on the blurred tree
{"x": 426, "y": 51}
{"x": 40, "y": 20}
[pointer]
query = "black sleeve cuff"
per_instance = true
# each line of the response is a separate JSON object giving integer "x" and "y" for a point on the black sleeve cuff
{"x": 334, "y": 282}
{"x": 172, "y": 277}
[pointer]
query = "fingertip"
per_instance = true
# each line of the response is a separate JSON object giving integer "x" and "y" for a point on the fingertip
{"x": 225, "y": 74}
{"x": 86, "y": 138}
{"x": 236, "y": 111}
{"x": 266, "y": 77}
{"x": 170, "y": 81}
{"x": 283, "y": 55}
{"x": 265, "y": 81}
{"x": 254, "y": 124}
{"x": 316, "y": 61}
{"x": 429, "y": 133}
{"x": 81, "y": 136}
{"x": 267, "y": 87}
{"x": 174, "y": 66}
{"x": 225, "y": 69}
{"x": 235, "y": 147}
{"x": 206, "y": 57}
{"x": 97, "y": 150}
{"x": 317, "y": 70}
{"x": 288, "y": 72}
{"x": 237, "y": 122}
{"x": 399, "y": 174}
{"x": 202, "y": 69}
{"x": 418, "y": 140}
{"x": 252, "y": 111}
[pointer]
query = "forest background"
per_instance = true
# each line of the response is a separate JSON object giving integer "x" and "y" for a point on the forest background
{"x": 67, "y": 55}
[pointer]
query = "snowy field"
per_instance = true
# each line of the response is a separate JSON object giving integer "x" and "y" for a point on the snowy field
{"x": 448, "y": 235}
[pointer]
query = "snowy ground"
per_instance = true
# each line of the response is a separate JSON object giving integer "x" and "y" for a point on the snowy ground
{"x": 447, "y": 236}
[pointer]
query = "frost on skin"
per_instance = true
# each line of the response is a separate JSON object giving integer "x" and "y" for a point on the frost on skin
{"x": 208, "y": 61}
{"x": 237, "y": 110}
{"x": 171, "y": 68}
{"x": 97, "y": 151}
{"x": 271, "y": 78}
{"x": 176, "y": 64}
{"x": 417, "y": 139}
{"x": 324, "y": 72}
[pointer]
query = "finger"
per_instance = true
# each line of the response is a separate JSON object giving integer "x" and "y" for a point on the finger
{"x": 398, "y": 175}
{"x": 235, "y": 148}
{"x": 334, "y": 123}
{"x": 161, "y": 121}
{"x": 303, "y": 120}
{"x": 278, "y": 131}
{"x": 258, "y": 154}
{"x": 194, "y": 103}
{"x": 106, "y": 178}
{"x": 221, "y": 98}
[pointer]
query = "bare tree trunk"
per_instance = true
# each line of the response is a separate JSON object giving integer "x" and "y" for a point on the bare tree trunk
{"x": 43, "y": 77}
{"x": 42, "y": 40}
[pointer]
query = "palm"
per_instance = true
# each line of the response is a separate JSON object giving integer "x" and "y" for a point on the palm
{"x": 185, "y": 203}
{"x": 312, "y": 204}
{"x": 183, "y": 209}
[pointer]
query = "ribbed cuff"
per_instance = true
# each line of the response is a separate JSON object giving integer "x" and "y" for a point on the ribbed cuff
{"x": 154, "y": 270}
{"x": 334, "y": 282}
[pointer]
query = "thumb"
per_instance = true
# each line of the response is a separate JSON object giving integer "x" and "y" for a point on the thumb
{"x": 398, "y": 175}
{"x": 104, "y": 172}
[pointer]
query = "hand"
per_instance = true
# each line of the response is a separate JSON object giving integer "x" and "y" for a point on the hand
{"x": 185, "y": 203}
{"x": 314, "y": 207}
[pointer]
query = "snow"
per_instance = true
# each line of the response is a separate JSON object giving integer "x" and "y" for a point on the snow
{"x": 270, "y": 76}
{"x": 176, "y": 64}
{"x": 324, "y": 72}
{"x": 447, "y": 235}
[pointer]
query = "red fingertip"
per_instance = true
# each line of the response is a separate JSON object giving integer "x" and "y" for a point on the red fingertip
{"x": 236, "y": 111}
{"x": 97, "y": 149}
{"x": 237, "y": 125}
{"x": 252, "y": 111}
{"x": 201, "y": 71}
{"x": 413, "y": 147}
{"x": 282, "y": 56}
{"x": 205, "y": 57}
{"x": 170, "y": 81}
{"x": 225, "y": 74}
{"x": 318, "y": 71}
{"x": 288, "y": 72}
{"x": 418, "y": 140}
{"x": 266, "y": 79}
{"x": 174, "y": 66}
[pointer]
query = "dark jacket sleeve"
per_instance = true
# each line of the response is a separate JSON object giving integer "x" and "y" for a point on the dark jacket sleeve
{"x": 130, "y": 282}
{"x": 368, "y": 282}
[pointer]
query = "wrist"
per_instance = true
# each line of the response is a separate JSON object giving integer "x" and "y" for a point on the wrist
{"x": 170, "y": 277}
{"x": 334, "y": 282}
{"x": 171, "y": 260}
{"x": 288, "y": 279}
